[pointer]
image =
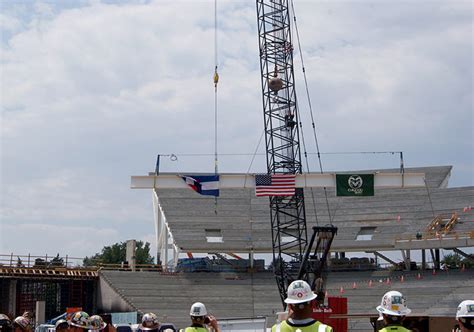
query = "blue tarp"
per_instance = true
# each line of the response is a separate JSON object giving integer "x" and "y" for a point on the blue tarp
{"x": 124, "y": 317}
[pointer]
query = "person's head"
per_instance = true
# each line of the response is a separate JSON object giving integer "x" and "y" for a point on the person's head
{"x": 5, "y": 323}
{"x": 61, "y": 325}
{"x": 465, "y": 315}
{"x": 22, "y": 324}
{"x": 149, "y": 322}
{"x": 393, "y": 307}
{"x": 79, "y": 322}
{"x": 97, "y": 323}
{"x": 198, "y": 313}
{"x": 300, "y": 298}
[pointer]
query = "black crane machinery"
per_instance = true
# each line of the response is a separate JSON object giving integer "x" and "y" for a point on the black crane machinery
{"x": 294, "y": 257}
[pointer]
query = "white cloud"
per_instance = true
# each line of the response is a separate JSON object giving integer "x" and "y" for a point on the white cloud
{"x": 90, "y": 93}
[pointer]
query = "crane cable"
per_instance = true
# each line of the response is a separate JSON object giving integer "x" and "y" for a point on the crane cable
{"x": 216, "y": 80}
{"x": 312, "y": 118}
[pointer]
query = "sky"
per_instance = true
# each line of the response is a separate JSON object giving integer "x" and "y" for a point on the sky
{"x": 92, "y": 91}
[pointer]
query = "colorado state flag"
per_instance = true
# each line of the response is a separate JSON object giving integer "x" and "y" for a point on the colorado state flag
{"x": 203, "y": 184}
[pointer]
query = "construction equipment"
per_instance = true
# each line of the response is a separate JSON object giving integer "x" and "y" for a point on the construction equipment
{"x": 291, "y": 252}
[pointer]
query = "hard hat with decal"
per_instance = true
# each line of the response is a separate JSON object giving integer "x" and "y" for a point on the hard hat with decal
{"x": 23, "y": 322}
{"x": 149, "y": 322}
{"x": 97, "y": 323}
{"x": 80, "y": 319}
{"x": 198, "y": 309}
{"x": 61, "y": 323}
{"x": 394, "y": 304}
{"x": 465, "y": 309}
{"x": 299, "y": 292}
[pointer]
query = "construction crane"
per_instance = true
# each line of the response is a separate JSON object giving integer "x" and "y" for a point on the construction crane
{"x": 293, "y": 256}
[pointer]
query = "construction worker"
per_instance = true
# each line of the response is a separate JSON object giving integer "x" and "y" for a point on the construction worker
{"x": 465, "y": 317}
{"x": 200, "y": 320}
{"x": 79, "y": 321}
{"x": 61, "y": 325}
{"x": 301, "y": 302}
{"x": 149, "y": 322}
{"x": 5, "y": 323}
{"x": 22, "y": 324}
{"x": 393, "y": 309}
{"x": 97, "y": 323}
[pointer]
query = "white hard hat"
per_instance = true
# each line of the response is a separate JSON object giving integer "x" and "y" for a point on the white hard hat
{"x": 465, "y": 309}
{"x": 97, "y": 323}
{"x": 80, "y": 319}
{"x": 23, "y": 322}
{"x": 149, "y": 322}
{"x": 394, "y": 304}
{"x": 198, "y": 309}
{"x": 299, "y": 292}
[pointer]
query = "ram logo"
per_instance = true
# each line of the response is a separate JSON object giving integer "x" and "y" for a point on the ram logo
{"x": 355, "y": 181}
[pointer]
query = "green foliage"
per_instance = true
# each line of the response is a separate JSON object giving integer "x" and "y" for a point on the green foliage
{"x": 116, "y": 254}
{"x": 456, "y": 261}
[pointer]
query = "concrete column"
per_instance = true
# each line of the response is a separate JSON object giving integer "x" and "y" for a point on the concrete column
{"x": 251, "y": 259}
{"x": 40, "y": 312}
{"x": 130, "y": 254}
{"x": 158, "y": 226}
{"x": 438, "y": 262}
{"x": 406, "y": 259}
{"x": 12, "y": 297}
{"x": 423, "y": 259}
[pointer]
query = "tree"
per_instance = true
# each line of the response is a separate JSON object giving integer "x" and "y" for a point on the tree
{"x": 116, "y": 254}
{"x": 455, "y": 261}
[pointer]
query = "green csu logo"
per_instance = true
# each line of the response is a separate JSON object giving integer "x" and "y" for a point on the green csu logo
{"x": 355, "y": 184}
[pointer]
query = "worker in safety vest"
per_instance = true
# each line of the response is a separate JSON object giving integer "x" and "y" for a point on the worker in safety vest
{"x": 201, "y": 321}
{"x": 393, "y": 309}
{"x": 465, "y": 317}
{"x": 301, "y": 302}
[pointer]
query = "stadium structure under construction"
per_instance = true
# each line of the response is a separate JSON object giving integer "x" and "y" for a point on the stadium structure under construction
{"x": 415, "y": 222}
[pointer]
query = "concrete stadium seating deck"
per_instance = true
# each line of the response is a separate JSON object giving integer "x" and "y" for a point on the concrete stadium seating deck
{"x": 246, "y": 295}
{"x": 243, "y": 219}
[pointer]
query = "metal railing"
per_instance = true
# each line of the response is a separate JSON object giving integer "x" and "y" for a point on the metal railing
{"x": 32, "y": 261}
{"x": 66, "y": 262}
{"x": 436, "y": 236}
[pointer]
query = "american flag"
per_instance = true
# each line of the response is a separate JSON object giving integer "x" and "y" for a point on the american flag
{"x": 274, "y": 185}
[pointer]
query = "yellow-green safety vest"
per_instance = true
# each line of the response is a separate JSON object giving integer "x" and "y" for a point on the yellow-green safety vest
{"x": 395, "y": 328}
{"x": 316, "y": 326}
{"x": 195, "y": 329}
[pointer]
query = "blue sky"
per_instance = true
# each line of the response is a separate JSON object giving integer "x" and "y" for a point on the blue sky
{"x": 92, "y": 91}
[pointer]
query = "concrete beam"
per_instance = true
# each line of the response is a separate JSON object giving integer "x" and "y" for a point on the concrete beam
{"x": 460, "y": 242}
{"x": 312, "y": 180}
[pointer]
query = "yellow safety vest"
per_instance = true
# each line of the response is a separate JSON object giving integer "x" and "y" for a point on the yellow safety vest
{"x": 394, "y": 328}
{"x": 315, "y": 326}
{"x": 195, "y": 329}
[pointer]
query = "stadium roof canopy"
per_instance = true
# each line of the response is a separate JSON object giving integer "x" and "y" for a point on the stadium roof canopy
{"x": 238, "y": 221}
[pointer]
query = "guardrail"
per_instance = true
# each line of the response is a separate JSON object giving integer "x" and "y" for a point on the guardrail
{"x": 66, "y": 262}
{"x": 26, "y": 261}
{"x": 437, "y": 236}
